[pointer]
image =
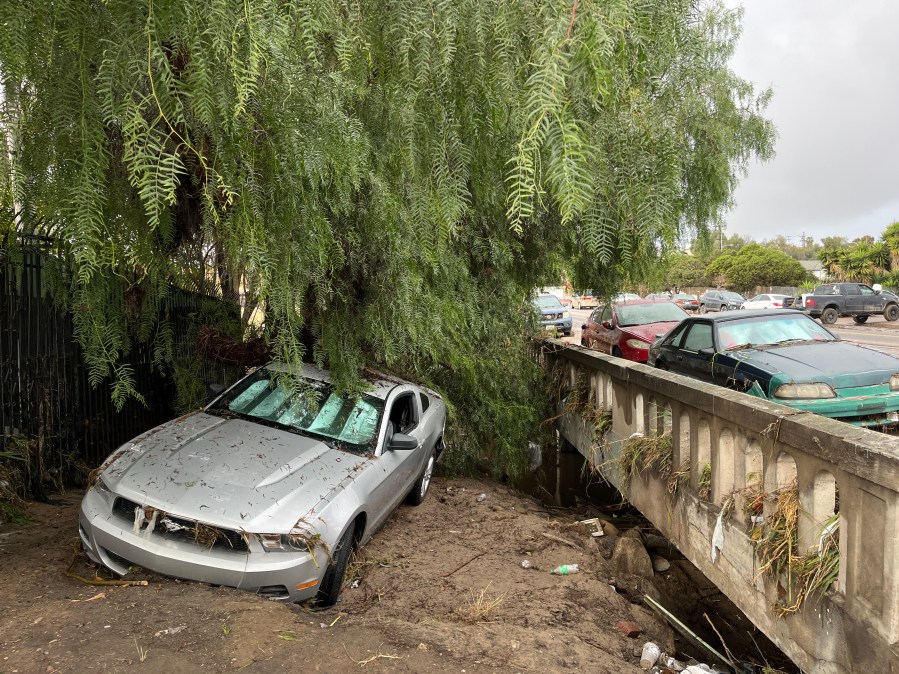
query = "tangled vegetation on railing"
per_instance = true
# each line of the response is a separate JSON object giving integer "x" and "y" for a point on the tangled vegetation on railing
{"x": 646, "y": 453}
{"x": 705, "y": 482}
{"x": 777, "y": 545}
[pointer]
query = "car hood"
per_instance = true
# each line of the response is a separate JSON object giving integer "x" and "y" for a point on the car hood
{"x": 231, "y": 473}
{"x": 838, "y": 363}
{"x": 650, "y": 331}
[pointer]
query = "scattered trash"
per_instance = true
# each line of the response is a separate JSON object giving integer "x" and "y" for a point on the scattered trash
{"x": 482, "y": 497}
{"x": 528, "y": 564}
{"x": 595, "y": 523}
{"x": 99, "y": 595}
{"x": 629, "y": 629}
{"x": 170, "y": 630}
{"x": 565, "y": 570}
{"x": 650, "y": 654}
{"x": 355, "y": 584}
{"x": 718, "y": 536}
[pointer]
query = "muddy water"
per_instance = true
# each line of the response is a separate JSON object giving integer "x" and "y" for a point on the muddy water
{"x": 562, "y": 481}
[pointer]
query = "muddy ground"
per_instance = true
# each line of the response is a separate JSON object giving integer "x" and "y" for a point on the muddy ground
{"x": 439, "y": 589}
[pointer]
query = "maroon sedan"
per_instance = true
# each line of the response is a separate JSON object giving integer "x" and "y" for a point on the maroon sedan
{"x": 626, "y": 329}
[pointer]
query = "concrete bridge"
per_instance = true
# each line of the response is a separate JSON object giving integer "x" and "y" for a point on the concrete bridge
{"x": 720, "y": 457}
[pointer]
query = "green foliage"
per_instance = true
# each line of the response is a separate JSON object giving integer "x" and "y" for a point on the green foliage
{"x": 755, "y": 265}
{"x": 685, "y": 271}
{"x": 859, "y": 262}
{"x": 391, "y": 178}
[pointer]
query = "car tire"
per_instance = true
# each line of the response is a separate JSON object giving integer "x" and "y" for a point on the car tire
{"x": 420, "y": 488}
{"x": 702, "y": 309}
{"x": 891, "y": 312}
{"x": 830, "y": 315}
{"x": 616, "y": 352}
{"x": 332, "y": 582}
{"x": 859, "y": 320}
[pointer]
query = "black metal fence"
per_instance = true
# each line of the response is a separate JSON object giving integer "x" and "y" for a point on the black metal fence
{"x": 46, "y": 402}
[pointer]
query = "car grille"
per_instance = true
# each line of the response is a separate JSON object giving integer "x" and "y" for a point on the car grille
{"x": 184, "y": 532}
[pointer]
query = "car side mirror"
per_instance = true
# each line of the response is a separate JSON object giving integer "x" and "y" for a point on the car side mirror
{"x": 607, "y": 325}
{"x": 583, "y": 326}
{"x": 401, "y": 441}
{"x": 708, "y": 351}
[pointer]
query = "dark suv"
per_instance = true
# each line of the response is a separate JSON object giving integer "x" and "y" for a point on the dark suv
{"x": 720, "y": 300}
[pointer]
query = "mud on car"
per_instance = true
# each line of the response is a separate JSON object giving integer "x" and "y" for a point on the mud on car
{"x": 270, "y": 487}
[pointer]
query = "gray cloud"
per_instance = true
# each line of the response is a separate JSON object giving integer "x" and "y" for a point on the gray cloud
{"x": 834, "y": 68}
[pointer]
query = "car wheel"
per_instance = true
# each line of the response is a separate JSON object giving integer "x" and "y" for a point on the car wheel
{"x": 661, "y": 365}
{"x": 829, "y": 316}
{"x": 860, "y": 319}
{"x": 702, "y": 309}
{"x": 332, "y": 583}
{"x": 616, "y": 352}
{"x": 420, "y": 488}
{"x": 891, "y": 313}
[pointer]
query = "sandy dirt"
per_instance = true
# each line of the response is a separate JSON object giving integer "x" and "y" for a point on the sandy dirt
{"x": 439, "y": 589}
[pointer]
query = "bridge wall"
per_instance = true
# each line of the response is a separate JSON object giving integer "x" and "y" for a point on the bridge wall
{"x": 855, "y": 627}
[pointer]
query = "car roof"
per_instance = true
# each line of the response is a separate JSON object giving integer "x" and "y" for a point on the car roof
{"x": 724, "y": 316}
{"x": 381, "y": 383}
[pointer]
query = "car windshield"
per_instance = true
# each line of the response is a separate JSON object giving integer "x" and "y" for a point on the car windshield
{"x": 684, "y": 296}
{"x": 313, "y": 408}
{"x": 641, "y": 314}
{"x": 765, "y": 331}
{"x": 547, "y": 301}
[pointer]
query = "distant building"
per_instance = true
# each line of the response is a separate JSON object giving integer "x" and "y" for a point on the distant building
{"x": 815, "y": 268}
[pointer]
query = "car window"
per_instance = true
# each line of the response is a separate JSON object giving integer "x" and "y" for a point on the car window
{"x": 403, "y": 414}
{"x": 643, "y": 314}
{"x": 425, "y": 402}
{"x": 699, "y": 337}
{"x": 732, "y": 296}
{"x": 865, "y": 290}
{"x": 312, "y": 407}
{"x": 853, "y": 290}
{"x": 606, "y": 313}
{"x": 595, "y": 315}
{"x": 547, "y": 302}
{"x": 759, "y": 298}
{"x": 673, "y": 338}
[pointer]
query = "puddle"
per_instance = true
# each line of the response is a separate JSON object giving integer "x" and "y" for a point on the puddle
{"x": 562, "y": 481}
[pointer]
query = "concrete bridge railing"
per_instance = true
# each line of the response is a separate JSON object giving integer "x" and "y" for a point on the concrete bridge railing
{"x": 735, "y": 446}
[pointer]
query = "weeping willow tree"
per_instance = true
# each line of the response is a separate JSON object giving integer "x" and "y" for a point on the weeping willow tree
{"x": 390, "y": 178}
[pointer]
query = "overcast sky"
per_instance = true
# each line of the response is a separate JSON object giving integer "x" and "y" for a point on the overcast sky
{"x": 834, "y": 68}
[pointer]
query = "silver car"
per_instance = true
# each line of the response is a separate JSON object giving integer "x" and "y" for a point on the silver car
{"x": 267, "y": 489}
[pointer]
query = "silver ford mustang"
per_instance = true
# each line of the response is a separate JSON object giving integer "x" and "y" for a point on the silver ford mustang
{"x": 269, "y": 488}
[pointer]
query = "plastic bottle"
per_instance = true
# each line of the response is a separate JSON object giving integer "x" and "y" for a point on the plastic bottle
{"x": 565, "y": 569}
{"x": 650, "y": 655}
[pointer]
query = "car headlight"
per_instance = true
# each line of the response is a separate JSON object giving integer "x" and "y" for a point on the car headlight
{"x": 637, "y": 344}
{"x": 295, "y": 541}
{"x": 806, "y": 391}
{"x": 894, "y": 382}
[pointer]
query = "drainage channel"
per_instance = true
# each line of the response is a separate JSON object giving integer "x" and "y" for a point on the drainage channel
{"x": 562, "y": 481}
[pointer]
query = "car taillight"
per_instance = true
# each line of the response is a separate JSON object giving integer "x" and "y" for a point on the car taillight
{"x": 777, "y": 304}
{"x": 810, "y": 302}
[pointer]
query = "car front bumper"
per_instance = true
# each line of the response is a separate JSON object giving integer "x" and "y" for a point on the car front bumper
{"x": 869, "y": 406}
{"x": 110, "y": 540}
{"x": 560, "y": 324}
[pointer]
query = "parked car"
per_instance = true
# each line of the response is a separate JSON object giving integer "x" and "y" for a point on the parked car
{"x": 765, "y": 301}
{"x": 686, "y": 301}
{"x": 626, "y": 297}
{"x": 586, "y": 299}
{"x": 720, "y": 300}
{"x": 626, "y": 329}
{"x": 830, "y": 301}
{"x": 270, "y": 487}
{"x": 553, "y": 316}
{"x": 786, "y": 357}
{"x": 658, "y": 296}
